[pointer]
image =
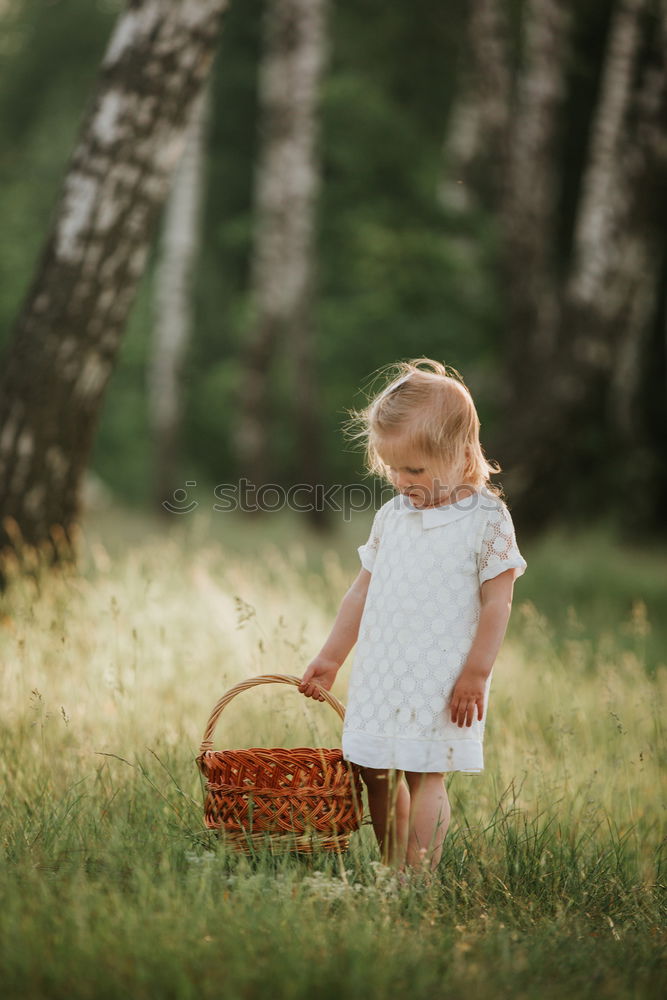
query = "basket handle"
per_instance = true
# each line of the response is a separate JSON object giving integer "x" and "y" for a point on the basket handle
{"x": 207, "y": 742}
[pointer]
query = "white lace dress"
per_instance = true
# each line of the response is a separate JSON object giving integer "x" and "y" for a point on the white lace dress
{"x": 417, "y": 627}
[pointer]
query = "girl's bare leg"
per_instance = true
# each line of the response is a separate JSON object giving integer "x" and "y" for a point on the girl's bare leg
{"x": 389, "y": 804}
{"x": 430, "y": 814}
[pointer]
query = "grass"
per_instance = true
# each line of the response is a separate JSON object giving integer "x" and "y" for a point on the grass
{"x": 552, "y": 877}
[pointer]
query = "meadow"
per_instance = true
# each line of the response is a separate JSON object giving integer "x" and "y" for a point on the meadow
{"x": 552, "y": 877}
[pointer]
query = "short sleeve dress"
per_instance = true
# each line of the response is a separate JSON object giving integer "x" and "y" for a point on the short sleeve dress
{"x": 419, "y": 622}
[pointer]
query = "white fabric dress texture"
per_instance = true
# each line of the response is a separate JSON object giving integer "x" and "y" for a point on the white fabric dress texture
{"x": 419, "y": 622}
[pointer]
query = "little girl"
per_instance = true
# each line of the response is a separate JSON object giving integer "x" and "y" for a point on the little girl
{"x": 429, "y": 608}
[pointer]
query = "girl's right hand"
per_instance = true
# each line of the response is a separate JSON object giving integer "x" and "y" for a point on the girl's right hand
{"x": 320, "y": 671}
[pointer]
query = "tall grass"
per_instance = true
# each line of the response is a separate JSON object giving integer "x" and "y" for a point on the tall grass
{"x": 551, "y": 877}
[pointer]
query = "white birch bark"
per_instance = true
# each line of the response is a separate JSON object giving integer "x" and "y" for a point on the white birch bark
{"x": 577, "y": 328}
{"x": 286, "y": 186}
{"x": 69, "y": 329}
{"x": 601, "y": 203}
{"x": 531, "y": 196}
{"x": 477, "y": 129}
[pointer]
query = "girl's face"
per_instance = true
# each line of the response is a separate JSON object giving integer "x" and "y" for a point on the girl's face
{"x": 413, "y": 475}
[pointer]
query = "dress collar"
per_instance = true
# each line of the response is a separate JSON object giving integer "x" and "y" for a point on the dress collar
{"x": 432, "y": 517}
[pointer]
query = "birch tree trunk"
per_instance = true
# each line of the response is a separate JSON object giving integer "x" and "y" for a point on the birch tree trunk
{"x": 613, "y": 263}
{"x": 286, "y": 187}
{"x": 578, "y": 318}
{"x": 478, "y": 128}
{"x": 530, "y": 200}
{"x": 616, "y": 281}
{"x": 610, "y": 288}
{"x": 68, "y": 332}
{"x": 173, "y": 305}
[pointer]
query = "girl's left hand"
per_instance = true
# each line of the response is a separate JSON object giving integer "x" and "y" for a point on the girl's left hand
{"x": 468, "y": 692}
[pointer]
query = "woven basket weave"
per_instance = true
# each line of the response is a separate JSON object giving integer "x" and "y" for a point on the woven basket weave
{"x": 299, "y": 800}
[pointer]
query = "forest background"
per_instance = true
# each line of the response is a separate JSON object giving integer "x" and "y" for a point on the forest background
{"x": 402, "y": 268}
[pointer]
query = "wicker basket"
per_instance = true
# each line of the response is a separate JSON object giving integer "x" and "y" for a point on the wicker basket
{"x": 291, "y": 800}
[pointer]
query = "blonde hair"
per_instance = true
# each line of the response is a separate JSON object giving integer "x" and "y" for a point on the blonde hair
{"x": 428, "y": 407}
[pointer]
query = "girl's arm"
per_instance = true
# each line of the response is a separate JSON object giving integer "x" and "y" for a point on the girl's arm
{"x": 324, "y": 667}
{"x": 496, "y": 606}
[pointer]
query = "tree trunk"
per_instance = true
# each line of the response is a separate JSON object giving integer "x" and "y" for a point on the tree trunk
{"x": 173, "y": 305}
{"x": 530, "y": 200}
{"x": 69, "y": 329}
{"x": 286, "y": 187}
{"x": 573, "y": 438}
{"x": 477, "y": 131}
{"x": 614, "y": 289}
{"x": 586, "y": 433}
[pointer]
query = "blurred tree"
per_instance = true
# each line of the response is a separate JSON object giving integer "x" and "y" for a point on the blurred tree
{"x": 68, "y": 332}
{"x": 581, "y": 299}
{"x": 173, "y": 305}
{"x": 287, "y": 182}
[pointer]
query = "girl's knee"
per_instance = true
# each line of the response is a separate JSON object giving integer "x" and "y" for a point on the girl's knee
{"x": 425, "y": 779}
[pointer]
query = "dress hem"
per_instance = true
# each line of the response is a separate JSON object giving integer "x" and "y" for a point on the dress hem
{"x": 404, "y": 754}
